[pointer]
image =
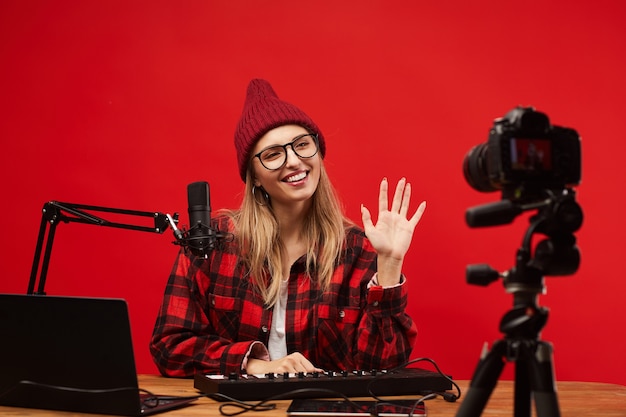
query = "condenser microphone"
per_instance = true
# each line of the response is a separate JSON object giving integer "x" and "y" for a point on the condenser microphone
{"x": 201, "y": 237}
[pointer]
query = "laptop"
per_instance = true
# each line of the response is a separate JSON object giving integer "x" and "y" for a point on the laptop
{"x": 72, "y": 354}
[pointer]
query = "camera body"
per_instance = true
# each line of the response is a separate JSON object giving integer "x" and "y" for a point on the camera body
{"x": 525, "y": 156}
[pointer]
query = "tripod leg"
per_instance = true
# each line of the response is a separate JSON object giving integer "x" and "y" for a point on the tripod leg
{"x": 522, "y": 397}
{"x": 542, "y": 382}
{"x": 484, "y": 381}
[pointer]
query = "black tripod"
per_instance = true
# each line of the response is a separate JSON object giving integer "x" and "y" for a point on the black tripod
{"x": 558, "y": 218}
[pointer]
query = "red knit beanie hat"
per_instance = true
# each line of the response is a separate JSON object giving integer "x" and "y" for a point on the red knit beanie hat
{"x": 262, "y": 112}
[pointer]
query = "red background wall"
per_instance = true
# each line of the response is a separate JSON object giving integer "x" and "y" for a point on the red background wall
{"x": 122, "y": 104}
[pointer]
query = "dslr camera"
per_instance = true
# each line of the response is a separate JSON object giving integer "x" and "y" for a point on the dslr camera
{"x": 525, "y": 157}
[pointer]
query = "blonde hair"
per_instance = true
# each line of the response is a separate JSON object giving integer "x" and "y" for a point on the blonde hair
{"x": 258, "y": 235}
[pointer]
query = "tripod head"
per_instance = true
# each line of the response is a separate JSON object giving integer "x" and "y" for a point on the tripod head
{"x": 558, "y": 217}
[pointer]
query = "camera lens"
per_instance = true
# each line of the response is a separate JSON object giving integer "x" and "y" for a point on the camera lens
{"x": 475, "y": 169}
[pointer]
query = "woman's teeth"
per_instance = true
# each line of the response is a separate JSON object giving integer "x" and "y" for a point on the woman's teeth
{"x": 297, "y": 177}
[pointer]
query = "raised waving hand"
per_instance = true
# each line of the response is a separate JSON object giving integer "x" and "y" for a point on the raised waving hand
{"x": 392, "y": 234}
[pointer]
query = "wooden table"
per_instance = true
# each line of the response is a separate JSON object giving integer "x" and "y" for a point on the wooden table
{"x": 575, "y": 399}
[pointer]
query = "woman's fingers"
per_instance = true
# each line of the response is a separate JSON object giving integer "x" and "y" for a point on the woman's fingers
{"x": 383, "y": 198}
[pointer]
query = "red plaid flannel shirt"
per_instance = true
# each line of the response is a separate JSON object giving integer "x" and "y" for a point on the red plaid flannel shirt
{"x": 211, "y": 315}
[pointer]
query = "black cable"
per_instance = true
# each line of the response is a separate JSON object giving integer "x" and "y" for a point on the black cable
{"x": 154, "y": 400}
{"x": 262, "y": 406}
{"x": 396, "y": 403}
{"x": 72, "y": 389}
{"x": 447, "y": 396}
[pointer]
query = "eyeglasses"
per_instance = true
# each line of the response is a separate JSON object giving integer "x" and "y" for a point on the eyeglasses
{"x": 274, "y": 157}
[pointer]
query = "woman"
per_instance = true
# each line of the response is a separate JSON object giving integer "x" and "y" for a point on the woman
{"x": 300, "y": 288}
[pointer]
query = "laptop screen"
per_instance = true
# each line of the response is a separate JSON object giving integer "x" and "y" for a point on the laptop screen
{"x": 67, "y": 353}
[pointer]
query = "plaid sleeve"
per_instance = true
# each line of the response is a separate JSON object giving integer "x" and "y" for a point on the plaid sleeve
{"x": 182, "y": 343}
{"x": 386, "y": 333}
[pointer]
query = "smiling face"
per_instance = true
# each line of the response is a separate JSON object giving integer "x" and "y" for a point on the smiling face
{"x": 296, "y": 181}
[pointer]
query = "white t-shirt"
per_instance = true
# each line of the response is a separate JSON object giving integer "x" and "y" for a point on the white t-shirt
{"x": 277, "y": 344}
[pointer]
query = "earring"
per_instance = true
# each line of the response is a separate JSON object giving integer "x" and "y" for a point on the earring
{"x": 264, "y": 195}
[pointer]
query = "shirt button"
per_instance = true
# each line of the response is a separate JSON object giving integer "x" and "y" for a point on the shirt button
{"x": 375, "y": 303}
{"x": 342, "y": 314}
{"x": 264, "y": 328}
